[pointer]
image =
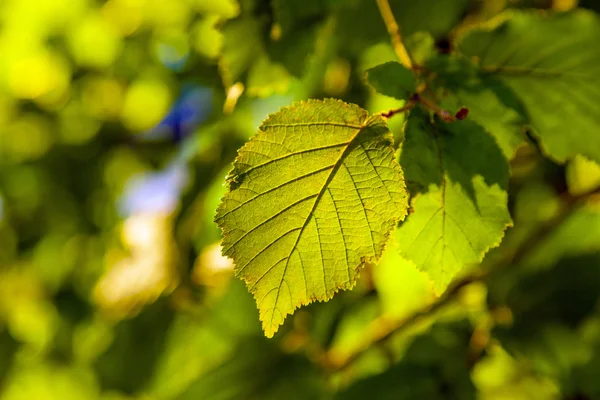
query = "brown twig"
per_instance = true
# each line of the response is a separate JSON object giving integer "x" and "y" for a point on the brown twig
{"x": 445, "y": 115}
{"x": 389, "y": 114}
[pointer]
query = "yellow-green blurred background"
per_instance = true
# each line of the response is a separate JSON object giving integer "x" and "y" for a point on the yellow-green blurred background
{"x": 119, "y": 120}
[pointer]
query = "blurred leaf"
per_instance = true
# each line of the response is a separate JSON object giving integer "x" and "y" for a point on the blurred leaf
{"x": 401, "y": 287}
{"x": 421, "y": 47}
{"x": 266, "y": 78}
{"x": 498, "y": 376}
{"x": 197, "y": 344}
{"x": 129, "y": 362}
{"x": 361, "y": 25}
{"x": 552, "y": 63}
{"x": 583, "y": 175}
{"x": 308, "y": 166}
{"x": 132, "y": 282}
{"x": 208, "y": 40}
{"x": 94, "y": 42}
{"x": 392, "y": 79}
{"x": 578, "y": 234}
{"x": 437, "y": 17}
{"x": 50, "y": 382}
{"x": 547, "y": 308}
{"x": 242, "y": 43}
{"x": 352, "y": 323}
{"x": 295, "y": 49}
{"x": 583, "y": 380}
{"x": 222, "y": 8}
{"x": 8, "y": 348}
{"x": 457, "y": 177}
{"x": 290, "y": 14}
{"x": 433, "y": 367}
{"x": 259, "y": 370}
{"x": 145, "y": 104}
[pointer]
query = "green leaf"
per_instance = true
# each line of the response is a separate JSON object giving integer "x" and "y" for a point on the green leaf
{"x": 490, "y": 102}
{"x": 392, "y": 79}
{"x": 552, "y": 63}
{"x": 457, "y": 176}
{"x": 312, "y": 197}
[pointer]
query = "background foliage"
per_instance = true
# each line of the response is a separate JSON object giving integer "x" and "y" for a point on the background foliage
{"x": 119, "y": 121}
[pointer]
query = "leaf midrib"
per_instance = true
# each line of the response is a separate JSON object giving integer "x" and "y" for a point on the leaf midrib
{"x": 323, "y": 189}
{"x": 532, "y": 71}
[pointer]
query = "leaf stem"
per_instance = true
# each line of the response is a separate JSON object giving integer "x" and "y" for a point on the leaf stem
{"x": 443, "y": 114}
{"x": 394, "y": 31}
{"x": 389, "y": 114}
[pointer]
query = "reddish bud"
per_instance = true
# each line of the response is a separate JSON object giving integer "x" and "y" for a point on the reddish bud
{"x": 462, "y": 113}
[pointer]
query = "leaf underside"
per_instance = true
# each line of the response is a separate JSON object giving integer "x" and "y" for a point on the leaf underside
{"x": 312, "y": 197}
{"x": 392, "y": 79}
{"x": 552, "y": 63}
{"x": 457, "y": 176}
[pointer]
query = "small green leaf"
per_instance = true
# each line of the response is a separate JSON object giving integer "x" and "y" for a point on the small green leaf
{"x": 312, "y": 197}
{"x": 392, "y": 79}
{"x": 458, "y": 177}
{"x": 552, "y": 63}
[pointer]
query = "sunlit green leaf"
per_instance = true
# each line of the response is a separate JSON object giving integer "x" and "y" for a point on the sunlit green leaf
{"x": 457, "y": 176}
{"x": 552, "y": 63}
{"x": 313, "y": 196}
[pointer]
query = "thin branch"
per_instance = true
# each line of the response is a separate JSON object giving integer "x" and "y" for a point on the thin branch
{"x": 383, "y": 328}
{"x": 394, "y": 31}
{"x": 395, "y": 111}
{"x": 443, "y": 114}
